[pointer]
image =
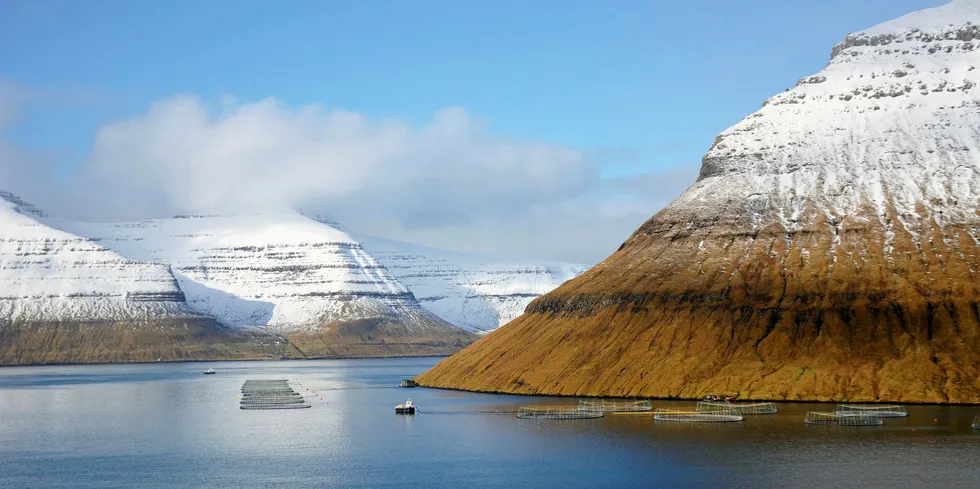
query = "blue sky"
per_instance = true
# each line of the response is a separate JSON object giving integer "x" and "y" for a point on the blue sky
{"x": 637, "y": 86}
{"x": 646, "y": 83}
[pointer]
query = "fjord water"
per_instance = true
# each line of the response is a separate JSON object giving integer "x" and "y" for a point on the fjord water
{"x": 156, "y": 425}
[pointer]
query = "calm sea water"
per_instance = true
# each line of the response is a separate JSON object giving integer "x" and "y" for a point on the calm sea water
{"x": 167, "y": 425}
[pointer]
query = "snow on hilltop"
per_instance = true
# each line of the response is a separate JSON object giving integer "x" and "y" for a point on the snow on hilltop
{"x": 476, "y": 292}
{"x": 829, "y": 249}
{"x": 283, "y": 272}
{"x": 51, "y": 275}
{"x": 931, "y": 21}
{"x": 890, "y": 126}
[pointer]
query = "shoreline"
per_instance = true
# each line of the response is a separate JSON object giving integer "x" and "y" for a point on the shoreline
{"x": 65, "y": 364}
{"x": 649, "y": 398}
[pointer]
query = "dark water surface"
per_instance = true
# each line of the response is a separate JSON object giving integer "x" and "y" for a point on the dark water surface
{"x": 167, "y": 425}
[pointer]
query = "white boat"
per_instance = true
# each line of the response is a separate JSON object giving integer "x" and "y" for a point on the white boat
{"x": 407, "y": 408}
{"x": 209, "y": 371}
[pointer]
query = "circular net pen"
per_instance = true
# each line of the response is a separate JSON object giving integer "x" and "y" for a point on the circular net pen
{"x": 877, "y": 410}
{"x": 611, "y": 406}
{"x": 740, "y": 409}
{"x": 696, "y": 417}
{"x": 835, "y": 419}
{"x": 556, "y": 412}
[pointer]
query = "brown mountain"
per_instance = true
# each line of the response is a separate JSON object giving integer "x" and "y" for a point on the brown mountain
{"x": 828, "y": 250}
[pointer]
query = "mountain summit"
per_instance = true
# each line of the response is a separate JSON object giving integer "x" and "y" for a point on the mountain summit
{"x": 828, "y": 251}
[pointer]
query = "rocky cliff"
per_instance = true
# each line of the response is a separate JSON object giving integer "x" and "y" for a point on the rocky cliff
{"x": 828, "y": 251}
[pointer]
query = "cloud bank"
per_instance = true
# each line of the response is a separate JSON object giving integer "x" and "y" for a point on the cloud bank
{"x": 449, "y": 182}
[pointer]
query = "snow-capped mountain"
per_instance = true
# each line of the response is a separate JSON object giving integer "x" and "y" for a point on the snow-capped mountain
{"x": 282, "y": 272}
{"x": 473, "y": 291}
{"x": 51, "y": 275}
{"x": 67, "y": 299}
{"x": 891, "y": 127}
{"x": 830, "y": 249}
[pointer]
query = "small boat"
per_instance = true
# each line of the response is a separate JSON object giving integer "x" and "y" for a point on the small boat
{"x": 209, "y": 371}
{"x": 717, "y": 398}
{"x": 409, "y": 383}
{"x": 407, "y": 408}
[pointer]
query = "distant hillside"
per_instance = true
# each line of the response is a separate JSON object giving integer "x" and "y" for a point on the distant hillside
{"x": 472, "y": 291}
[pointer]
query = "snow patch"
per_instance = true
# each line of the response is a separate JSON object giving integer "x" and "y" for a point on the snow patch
{"x": 473, "y": 291}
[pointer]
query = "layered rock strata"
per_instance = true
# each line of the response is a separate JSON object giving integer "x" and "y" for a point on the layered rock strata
{"x": 67, "y": 299}
{"x": 828, "y": 251}
{"x": 476, "y": 292}
{"x": 289, "y": 276}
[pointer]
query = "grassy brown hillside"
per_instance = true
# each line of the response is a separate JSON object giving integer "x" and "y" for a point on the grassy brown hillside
{"x": 689, "y": 307}
{"x": 379, "y": 338}
{"x": 191, "y": 339}
{"x": 168, "y": 340}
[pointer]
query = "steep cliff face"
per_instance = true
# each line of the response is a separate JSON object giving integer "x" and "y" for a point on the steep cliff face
{"x": 475, "y": 292}
{"x": 828, "y": 251}
{"x": 64, "y": 298}
{"x": 285, "y": 274}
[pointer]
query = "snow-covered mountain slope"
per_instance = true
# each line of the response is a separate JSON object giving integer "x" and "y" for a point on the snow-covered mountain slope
{"x": 67, "y": 299}
{"x": 830, "y": 250}
{"x": 890, "y": 126}
{"x": 282, "y": 272}
{"x": 475, "y": 292}
{"x": 52, "y": 275}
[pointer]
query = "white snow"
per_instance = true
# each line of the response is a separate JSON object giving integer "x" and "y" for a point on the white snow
{"x": 893, "y": 122}
{"x": 476, "y": 292}
{"x": 938, "y": 19}
{"x": 49, "y": 275}
{"x": 282, "y": 272}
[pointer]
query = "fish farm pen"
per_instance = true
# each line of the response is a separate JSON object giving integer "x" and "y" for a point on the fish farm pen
{"x": 740, "y": 409}
{"x": 696, "y": 417}
{"x": 837, "y": 419}
{"x": 610, "y": 406}
{"x": 270, "y": 394}
{"x": 878, "y": 410}
{"x": 556, "y": 412}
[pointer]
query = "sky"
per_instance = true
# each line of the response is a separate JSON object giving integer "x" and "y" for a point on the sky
{"x": 548, "y": 129}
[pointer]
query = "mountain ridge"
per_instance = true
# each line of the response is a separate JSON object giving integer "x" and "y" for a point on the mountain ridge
{"x": 288, "y": 276}
{"x": 478, "y": 292}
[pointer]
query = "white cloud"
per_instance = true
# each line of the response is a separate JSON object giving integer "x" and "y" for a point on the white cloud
{"x": 586, "y": 228}
{"x": 263, "y": 155}
{"x": 449, "y": 182}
